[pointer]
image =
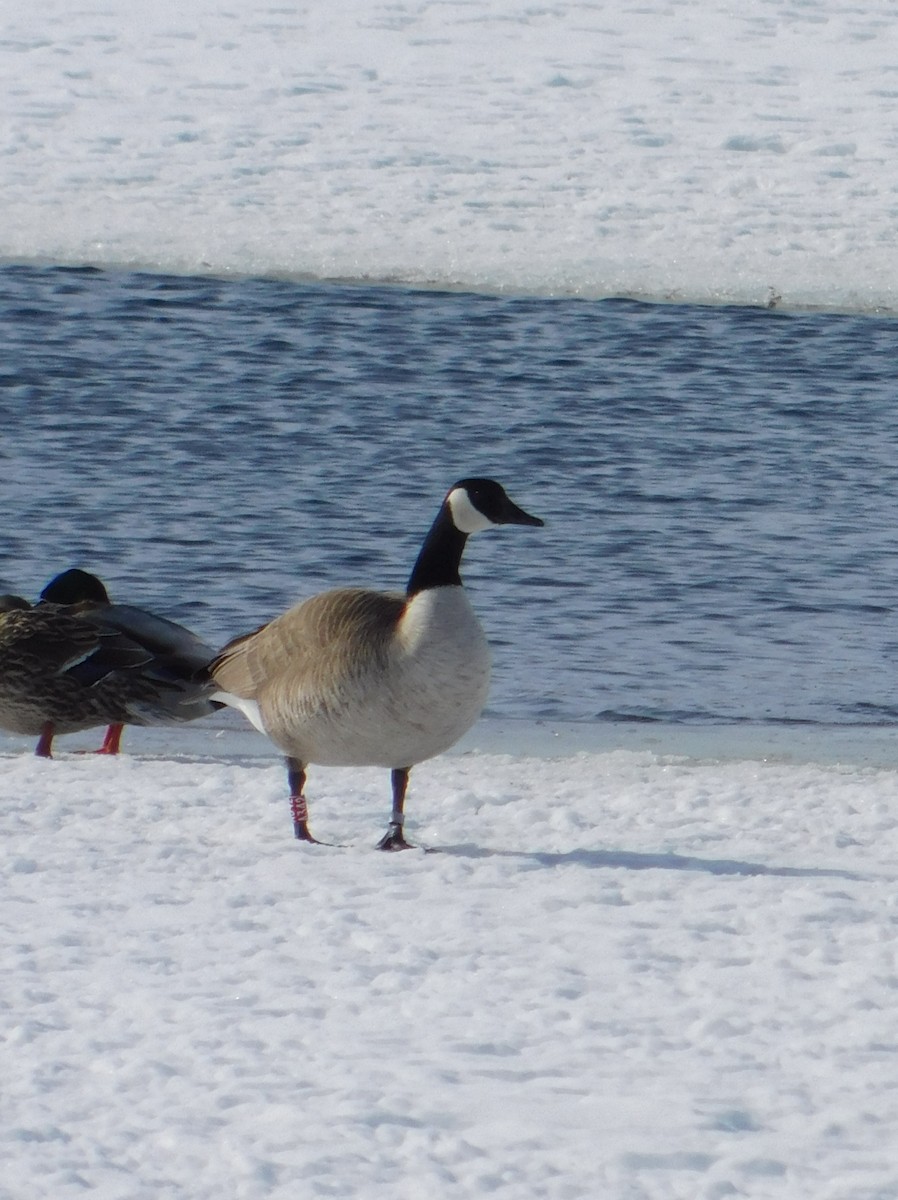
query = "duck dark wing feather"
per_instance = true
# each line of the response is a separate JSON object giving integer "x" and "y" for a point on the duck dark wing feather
{"x": 168, "y": 642}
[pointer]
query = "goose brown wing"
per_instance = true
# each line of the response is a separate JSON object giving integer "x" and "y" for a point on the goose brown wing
{"x": 332, "y": 633}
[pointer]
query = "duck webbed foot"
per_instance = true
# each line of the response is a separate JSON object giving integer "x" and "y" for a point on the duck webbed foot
{"x": 112, "y": 741}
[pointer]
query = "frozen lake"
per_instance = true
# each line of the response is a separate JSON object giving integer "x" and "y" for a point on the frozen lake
{"x": 670, "y": 149}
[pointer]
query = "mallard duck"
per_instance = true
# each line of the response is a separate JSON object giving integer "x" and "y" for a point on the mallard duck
{"x": 75, "y": 660}
{"x": 355, "y": 677}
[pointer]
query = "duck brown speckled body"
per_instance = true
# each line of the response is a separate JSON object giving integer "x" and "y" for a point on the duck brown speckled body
{"x": 75, "y": 661}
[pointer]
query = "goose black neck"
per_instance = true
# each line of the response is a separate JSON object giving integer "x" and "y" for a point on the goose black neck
{"x": 438, "y": 563}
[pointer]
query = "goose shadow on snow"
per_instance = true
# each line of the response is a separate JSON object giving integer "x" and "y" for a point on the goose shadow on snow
{"x": 633, "y": 861}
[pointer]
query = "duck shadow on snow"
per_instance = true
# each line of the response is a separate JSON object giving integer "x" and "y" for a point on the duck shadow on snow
{"x": 632, "y": 861}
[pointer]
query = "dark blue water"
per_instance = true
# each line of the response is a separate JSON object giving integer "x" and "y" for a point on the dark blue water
{"x": 720, "y": 485}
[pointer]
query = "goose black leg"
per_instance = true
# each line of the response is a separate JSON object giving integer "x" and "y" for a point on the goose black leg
{"x": 393, "y": 839}
{"x": 296, "y": 778}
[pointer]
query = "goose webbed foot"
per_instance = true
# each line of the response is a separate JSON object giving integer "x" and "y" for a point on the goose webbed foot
{"x": 299, "y": 810}
{"x": 394, "y": 839}
{"x": 301, "y": 833}
{"x": 301, "y": 820}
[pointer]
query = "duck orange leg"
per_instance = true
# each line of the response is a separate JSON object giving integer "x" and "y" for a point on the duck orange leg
{"x": 44, "y": 748}
{"x": 112, "y": 741}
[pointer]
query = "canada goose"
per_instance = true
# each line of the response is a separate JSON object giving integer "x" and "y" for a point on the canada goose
{"x": 363, "y": 678}
{"x": 75, "y": 660}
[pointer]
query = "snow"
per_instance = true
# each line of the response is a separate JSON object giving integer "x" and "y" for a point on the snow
{"x": 684, "y": 149}
{"x": 643, "y": 963}
{"x": 622, "y": 973}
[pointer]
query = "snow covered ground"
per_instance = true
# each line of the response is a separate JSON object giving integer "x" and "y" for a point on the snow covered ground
{"x": 692, "y": 149}
{"x": 625, "y": 974}
{"x": 644, "y": 964}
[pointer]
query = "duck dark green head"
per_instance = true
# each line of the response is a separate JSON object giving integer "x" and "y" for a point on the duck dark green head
{"x": 75, "y": 587}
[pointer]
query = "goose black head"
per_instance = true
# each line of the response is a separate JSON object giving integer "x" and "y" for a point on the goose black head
{"x": 476, "y": 504}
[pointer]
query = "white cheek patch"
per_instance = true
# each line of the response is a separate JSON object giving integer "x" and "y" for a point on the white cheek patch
{"x": 465, "y": 516}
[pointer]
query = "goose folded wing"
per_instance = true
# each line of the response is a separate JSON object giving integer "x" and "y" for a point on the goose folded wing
{"x": 239, "y": 667}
